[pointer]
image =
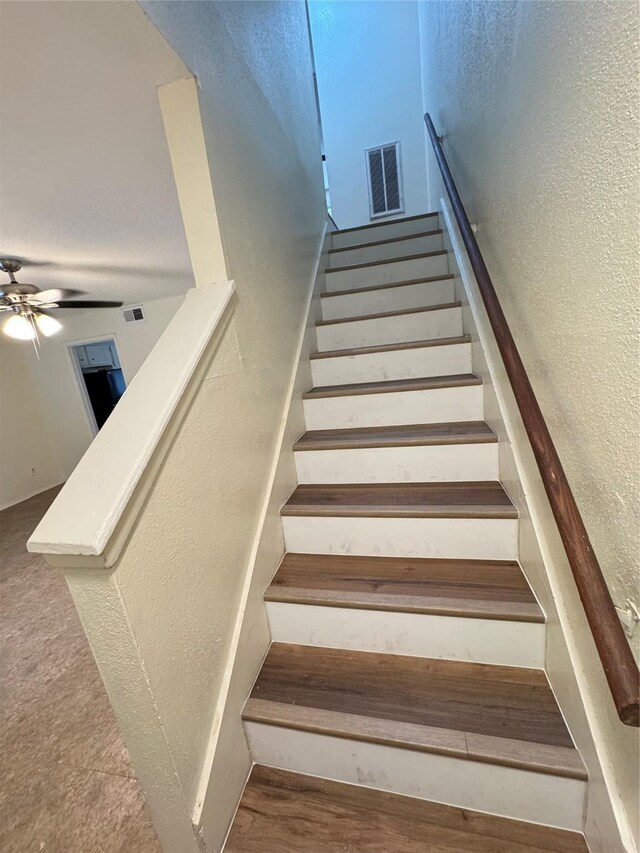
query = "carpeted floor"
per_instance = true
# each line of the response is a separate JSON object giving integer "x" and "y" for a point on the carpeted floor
{"x": 66, "y": 782}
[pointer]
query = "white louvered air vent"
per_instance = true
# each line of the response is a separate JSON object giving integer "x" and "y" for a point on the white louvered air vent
{"x": 385, "y": 184}
{"x": 133, "y": 314}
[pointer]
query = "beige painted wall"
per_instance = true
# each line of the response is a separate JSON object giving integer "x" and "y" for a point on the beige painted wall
{"x": 539, "y": 106}
{"x": 161, "y": 621}
{"x": 43, "y": 421}
{"x": 609, "y": 749}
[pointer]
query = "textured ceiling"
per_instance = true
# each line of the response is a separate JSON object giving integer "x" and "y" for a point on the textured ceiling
{"x": 86, "y": 188}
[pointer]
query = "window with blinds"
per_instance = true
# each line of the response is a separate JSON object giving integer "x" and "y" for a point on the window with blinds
{"x": 383, "y": 172}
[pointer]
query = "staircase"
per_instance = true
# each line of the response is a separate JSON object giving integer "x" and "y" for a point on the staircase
{"x": 403, "y": 704}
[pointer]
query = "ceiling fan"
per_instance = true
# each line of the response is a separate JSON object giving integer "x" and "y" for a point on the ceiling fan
{"x": 30, "y": 309}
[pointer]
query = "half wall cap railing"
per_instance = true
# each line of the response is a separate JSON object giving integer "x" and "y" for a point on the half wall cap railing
{"x": 615, "y": 653}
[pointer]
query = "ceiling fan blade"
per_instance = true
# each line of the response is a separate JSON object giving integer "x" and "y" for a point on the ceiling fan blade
{"x": 87, "y": 303}
{"x": 55, "y": 294}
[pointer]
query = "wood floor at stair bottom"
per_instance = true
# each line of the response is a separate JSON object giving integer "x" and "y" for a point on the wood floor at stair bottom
{"x": 475, "y": 499}
{"x": 485, "y": 589}
{"x": 284, "y": 812}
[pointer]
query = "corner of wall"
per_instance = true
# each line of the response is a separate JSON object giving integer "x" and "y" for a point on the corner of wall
{"x": 180, "y": 109}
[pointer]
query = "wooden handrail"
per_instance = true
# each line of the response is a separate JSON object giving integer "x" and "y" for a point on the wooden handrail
{"x": 615, "y": 653}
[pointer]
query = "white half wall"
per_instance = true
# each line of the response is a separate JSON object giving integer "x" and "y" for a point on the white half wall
{"x": 43, "y": 420}
{"x": 367, "y": 57}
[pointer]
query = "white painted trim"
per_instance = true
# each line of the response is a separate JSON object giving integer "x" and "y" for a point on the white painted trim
{"x": 75, "y": 525}
{"x": 32, "y": 494}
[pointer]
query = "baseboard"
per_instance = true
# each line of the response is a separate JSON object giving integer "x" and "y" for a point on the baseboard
{"x": 608, "y": 748}
{"x": 228, "y": 762}
{"x": 26, "y": 497}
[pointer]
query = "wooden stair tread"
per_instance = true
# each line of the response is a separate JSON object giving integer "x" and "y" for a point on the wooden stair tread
{"x": 387, "y": 261}
{"x": 411, "y": 435}
{"x": 408, "y": 281}
{"x": 386, "y": 222}
{"x": 404, "y": 345}
{"x": 389, "y": 386}
{"x": 481, "y": 712}
{"x": 285, "y": 812}
{"x": 357, "y": 246}
{"x": 475, "y": 499}
{"x": 480, "y": 589}
{"x": 444, "y": 306}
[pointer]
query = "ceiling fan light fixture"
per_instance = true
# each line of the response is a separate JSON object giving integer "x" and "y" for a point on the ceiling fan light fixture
{"x": 29, "y": 306}
{"x": 48, "y": 325}
{"x": 19, "y": 328}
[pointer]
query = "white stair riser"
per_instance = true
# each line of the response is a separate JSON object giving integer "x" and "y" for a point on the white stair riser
{"x": 430, "y": 463}
{"x": 494, "y": 789}
{"x": 388, "y": 273}
{"x": 493, "y": 641}
{"x": 382, "y": 251}
{"x": 434, "y": 406}
{"x": 390, "y": 299}
{"x": 384, "y": 231}
{"x": 422, "y": 326}
{"x": 445, "y": 538}
{"x": 445, "y": 360}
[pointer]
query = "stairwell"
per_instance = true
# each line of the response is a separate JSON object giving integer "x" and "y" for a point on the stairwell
{"x": 403, "y": 704}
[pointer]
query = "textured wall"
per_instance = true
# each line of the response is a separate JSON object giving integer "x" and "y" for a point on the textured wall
{"x": 539, "y": 105}
{"x": 193, "y": 543}
{"x": 367, "y": 55}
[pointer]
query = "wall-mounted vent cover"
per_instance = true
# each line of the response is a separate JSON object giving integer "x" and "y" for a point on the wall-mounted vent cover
{"x": 133, "y": 314}
{"x": 384, "y": 178}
